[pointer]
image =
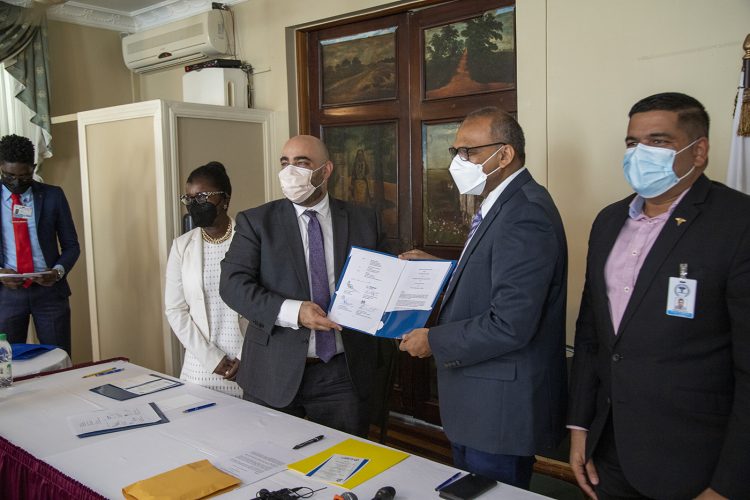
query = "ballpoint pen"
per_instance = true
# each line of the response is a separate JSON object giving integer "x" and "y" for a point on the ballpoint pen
{"x": 448, "y": 481}
{"x": 104, "y": 372}
{"x": 195, "y": 408}
{"x": 309, "y": 441}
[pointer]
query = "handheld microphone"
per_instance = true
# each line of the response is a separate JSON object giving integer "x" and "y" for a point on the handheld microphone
{"x": 385, "y": 493}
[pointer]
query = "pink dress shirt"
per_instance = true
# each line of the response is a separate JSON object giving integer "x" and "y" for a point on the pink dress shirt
{"x": 625, "y": 260}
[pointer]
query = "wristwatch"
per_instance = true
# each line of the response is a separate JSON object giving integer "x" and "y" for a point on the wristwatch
{"x": 60, "y": 273}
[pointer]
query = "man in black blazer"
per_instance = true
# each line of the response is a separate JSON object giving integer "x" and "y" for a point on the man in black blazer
{"x": 499, "y": 344}
{"x": 269, "y": 276}
{"x": 660, "y": 390}
{"x": 37, "y": 235}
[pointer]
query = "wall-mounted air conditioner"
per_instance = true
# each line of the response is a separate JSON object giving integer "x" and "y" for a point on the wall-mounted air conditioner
{"x": 176, "y": 43}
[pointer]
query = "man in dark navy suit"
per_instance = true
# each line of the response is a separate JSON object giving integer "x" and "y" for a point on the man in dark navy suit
{"x": 37, "y": 235}
{"x": 499, "y": 343}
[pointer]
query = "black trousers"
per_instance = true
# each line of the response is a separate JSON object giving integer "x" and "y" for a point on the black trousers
{"x": 49, "y": 307}
{"x": 327, "y": 397}
{"x": 613, "y": 485}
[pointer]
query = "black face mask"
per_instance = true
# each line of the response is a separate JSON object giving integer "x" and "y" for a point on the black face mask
{"x": 17, "y": 186}
{"x": 203, "y": 214}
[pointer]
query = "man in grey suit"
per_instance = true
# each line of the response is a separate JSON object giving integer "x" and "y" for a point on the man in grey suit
{"x": 499, "y": 342}
{"x": 279, "y": 273}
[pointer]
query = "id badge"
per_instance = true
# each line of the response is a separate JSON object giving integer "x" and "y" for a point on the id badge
{"x": 681, "y": 297}
{"x": 22, "y": 212}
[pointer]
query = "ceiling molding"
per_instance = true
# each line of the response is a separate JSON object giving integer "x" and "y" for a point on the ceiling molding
{"x": 123, "y": 20}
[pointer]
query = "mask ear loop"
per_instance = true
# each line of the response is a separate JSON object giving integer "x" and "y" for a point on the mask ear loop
{"x": 488, "y": 159}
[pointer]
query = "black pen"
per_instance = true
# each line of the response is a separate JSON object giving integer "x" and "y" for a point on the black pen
{"x": 309, "y": 441}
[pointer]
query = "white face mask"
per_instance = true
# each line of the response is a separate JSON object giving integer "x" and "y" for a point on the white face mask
{"x": 296, "y": 182}
{"x": 470, "y": 177}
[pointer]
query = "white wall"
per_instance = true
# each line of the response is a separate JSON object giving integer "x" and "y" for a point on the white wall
{"x": 581, "y": 65}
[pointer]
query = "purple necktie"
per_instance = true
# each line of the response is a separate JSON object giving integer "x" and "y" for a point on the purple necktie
{"x": 325, "y": 341}
{"x": 475, "y": 222}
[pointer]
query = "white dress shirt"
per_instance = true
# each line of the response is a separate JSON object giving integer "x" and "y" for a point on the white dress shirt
{"x": 289, "y": 312}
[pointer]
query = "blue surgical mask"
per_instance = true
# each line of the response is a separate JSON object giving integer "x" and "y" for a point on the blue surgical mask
{"x": 649, "y": 171}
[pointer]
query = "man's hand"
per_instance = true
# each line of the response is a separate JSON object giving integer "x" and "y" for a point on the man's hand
{"x": 227, "y": 368}
{"x": 417, "y": 255}
{"x": 10, "y": 282}
{"x": 48, "y": 278}
{"x": 710, "y": 494}
{"x": 585, "y": 472}
{"x": 415, "y": 343}
{"x": 314, "y": 318}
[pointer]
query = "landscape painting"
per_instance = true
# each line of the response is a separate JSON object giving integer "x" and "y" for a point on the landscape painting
{"x": 359, "y": 68}
{"x": 447, "y": 214}
{"x": 365, "y": 168}
{"x": 472, "y": 56}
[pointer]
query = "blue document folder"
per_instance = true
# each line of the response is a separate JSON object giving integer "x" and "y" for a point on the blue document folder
{"x": 376, "y": 292}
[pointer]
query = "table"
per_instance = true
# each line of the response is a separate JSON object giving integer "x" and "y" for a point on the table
{"x": 56, "y": 359}
{"x": 33, "y": 428}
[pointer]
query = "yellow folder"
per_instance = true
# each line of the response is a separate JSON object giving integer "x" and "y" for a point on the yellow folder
{"x": 378, "y": 458}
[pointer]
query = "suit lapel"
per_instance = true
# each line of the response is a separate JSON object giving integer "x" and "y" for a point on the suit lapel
{"x": 487, "y": 221}
{"x": 665, "y": 242}
{"x": 340, "y": 221}
{"x": 611, "y": 231}
{"x": 287, "y": 219}
{"x": 38, "y": 202}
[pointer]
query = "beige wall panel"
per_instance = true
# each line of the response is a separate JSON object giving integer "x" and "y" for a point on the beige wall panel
{"x": 63, "y": 170}
{"x": 86, "y": 69}
{"x": 125, "y": 249}
{"x": 238, "y": 145}
{"x": 604, "y": 56}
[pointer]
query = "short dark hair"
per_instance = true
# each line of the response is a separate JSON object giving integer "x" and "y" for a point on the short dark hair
{"x": 691, "y": 115}
{"x": 16, "y": 149}
{"x": 504, "y": 128}
{"x": 215, "y": 173}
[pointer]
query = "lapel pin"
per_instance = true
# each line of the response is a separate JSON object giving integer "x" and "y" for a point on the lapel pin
{"x": 680, "y": 220}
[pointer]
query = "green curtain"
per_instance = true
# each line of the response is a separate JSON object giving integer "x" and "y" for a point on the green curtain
{"x": 23, "y": 36}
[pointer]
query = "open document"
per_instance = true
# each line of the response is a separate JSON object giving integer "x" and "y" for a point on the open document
{"x": 136, "y": 386}
{"x": 385, "y": 296}
{"x": 104, "y": 421}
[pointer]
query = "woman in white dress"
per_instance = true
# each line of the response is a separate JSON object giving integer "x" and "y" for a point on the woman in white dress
{"x": 209, "y": 330}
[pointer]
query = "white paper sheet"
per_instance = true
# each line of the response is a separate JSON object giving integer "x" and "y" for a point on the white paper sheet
{"x": 258, "y": 461}
{"x": 419, "y": 285}
{"x": 338, "y": 469}
{"x": 181, "y": 402}
{"x": 103, "y": 420}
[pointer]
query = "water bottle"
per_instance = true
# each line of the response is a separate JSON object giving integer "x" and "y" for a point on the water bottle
{"x": 6, "y": 355}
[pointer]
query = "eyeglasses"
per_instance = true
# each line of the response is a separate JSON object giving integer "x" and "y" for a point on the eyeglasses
{"x": 199, "y": 198}
{"x": 463, "y": 152}
{"x": 11, "y": 177}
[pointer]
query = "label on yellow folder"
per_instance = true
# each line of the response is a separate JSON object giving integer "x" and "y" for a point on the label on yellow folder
{"x": 188, "y": 482}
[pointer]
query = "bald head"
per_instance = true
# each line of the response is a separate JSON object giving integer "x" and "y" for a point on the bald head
{"x": 503, "y": 127}
{"x": 304, "y": 147}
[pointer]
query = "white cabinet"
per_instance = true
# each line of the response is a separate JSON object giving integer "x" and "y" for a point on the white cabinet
{"x": 134, "y": 162}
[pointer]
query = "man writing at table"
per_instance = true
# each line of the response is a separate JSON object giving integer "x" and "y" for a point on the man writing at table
{"x": 37, "y": 236}
{"x": 499, "y": 343}
{"x": 279, "y": 273}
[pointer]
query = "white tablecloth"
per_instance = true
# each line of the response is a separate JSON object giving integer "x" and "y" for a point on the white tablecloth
{"x": 56, "y": 359}
{"x": 33, "y": 415}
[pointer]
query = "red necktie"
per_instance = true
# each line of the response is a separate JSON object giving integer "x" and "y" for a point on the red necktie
{"x": 24, "y": 260}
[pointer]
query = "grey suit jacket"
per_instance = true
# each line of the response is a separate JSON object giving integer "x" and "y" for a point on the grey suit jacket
{"x": 266, "y": 265}
{"x": 499, "y": 345}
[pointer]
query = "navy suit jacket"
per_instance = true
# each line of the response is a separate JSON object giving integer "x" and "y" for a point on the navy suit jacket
{"x": 55, "y": 230}
{"x": 678, "y": 389}
{"x": 264, "y": 266}
{"x": 499, "y": 345}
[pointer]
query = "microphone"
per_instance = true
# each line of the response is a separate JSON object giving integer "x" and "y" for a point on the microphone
{"x": 385, "y": 493}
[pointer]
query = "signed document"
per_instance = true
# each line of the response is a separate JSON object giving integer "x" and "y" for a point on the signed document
{"x": 385, "y": 296}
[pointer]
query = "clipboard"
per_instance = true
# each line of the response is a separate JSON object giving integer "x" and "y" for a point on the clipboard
{"x": 156, "y": 409}
{"x": 123, "y": 394}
